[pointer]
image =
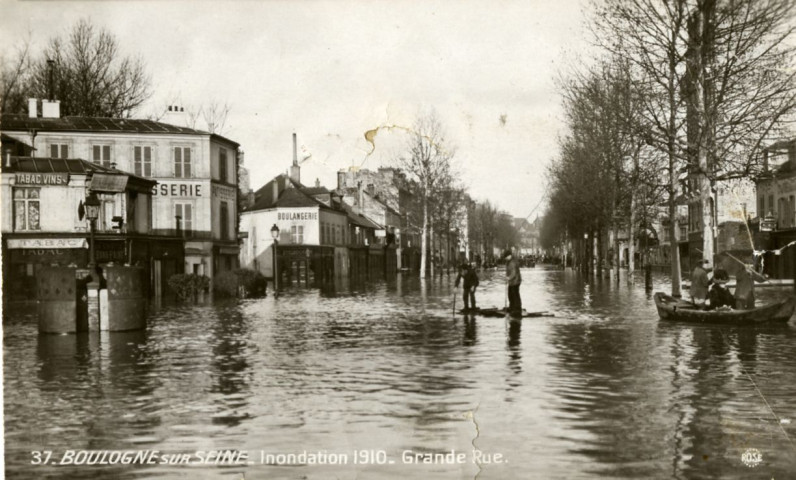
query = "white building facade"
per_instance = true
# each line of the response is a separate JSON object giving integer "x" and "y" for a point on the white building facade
{"x": 196, "y": 194}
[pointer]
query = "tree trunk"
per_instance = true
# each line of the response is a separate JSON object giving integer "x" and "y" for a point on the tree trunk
{"x": 631, "y": 241}
{"x": 424, "y": 239}
{"x": 673, "y": 230}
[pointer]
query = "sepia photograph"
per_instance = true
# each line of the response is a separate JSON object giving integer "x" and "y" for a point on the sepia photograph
{"x": 350, "y": 239}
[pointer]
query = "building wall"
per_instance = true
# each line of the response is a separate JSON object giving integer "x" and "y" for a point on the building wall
{"x": 336, "y": 224}
{"x": 777, "y": 197}
{"x": 202, "y": 189}
{"x": 58, "y": 207}
{"x": 170, "y": 192}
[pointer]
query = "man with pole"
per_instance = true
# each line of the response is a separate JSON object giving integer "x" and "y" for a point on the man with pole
{"x": 513, "y": 281}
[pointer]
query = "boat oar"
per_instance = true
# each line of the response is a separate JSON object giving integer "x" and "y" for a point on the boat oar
{"x": 756, "y": 276}
{"x": 752, "y": 271}
{"x": 455, "y": 290}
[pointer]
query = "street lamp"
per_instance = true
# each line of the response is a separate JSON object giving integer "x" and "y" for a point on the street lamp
{"x": 275, "y": 236}
{"x": 92, "y": 205}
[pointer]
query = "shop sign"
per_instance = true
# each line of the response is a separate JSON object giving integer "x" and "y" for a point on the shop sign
{"x": 169, "y": 189}
{"x": 224, "y": 193}
{"x": 41, "y": 178}
{"x": 297, "y": 216}
{"x": 113, "y": 251}
{"x": 47, "y": 243}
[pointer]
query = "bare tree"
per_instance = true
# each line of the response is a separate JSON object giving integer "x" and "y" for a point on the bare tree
{"x": 716, "y": 79}
{"x": 87, "y": 72}
{"x": 14, "y": 74}
{"x": 427, "y": 163}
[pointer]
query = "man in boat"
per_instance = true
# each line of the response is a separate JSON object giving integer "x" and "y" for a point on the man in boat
{"x": 719, "y": 295}
{"x": 700, "y": 284}
{"x": 744, "y": 289}
{"x": 513, "y": 279}
{"x": 470, "y": 277}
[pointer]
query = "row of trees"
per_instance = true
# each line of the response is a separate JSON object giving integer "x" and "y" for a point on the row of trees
{"x": 444, "y": 210}
{"x": 683, "y": 89}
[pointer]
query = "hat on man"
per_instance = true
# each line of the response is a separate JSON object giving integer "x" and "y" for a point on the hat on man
{"x": 721, "y": 276}
{"x": 506, "y": 253}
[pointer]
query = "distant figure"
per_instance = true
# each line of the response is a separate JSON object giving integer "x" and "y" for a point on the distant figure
{"x": 513, "y": 279}
{"x": 744, "y": 290}
{"x": 699, "y": 284}
{"x": 470, "y": 277}
{"x": 719, "y": 295}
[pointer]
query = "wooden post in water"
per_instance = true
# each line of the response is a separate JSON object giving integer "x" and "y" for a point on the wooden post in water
{"x": 793, "y": 266}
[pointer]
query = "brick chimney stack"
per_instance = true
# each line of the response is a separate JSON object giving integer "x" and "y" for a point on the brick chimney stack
{"x": 295, "y": 170}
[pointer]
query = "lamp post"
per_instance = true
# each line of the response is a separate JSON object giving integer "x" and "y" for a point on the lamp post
{"x": 92, "y": 206}
{"x": 275, "y": 236}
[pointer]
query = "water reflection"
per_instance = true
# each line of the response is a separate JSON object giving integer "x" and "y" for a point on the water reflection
{"x": 514, "y": 327}
{"x": 600, "y": 390}
{"x": 232, "y": 372}
{"x": 470, "y": 330}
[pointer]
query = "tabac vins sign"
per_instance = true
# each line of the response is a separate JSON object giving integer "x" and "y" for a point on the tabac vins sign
{"x": 41, "y": 178}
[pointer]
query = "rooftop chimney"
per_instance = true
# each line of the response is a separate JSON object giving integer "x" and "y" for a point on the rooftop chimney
{"x": 51, "y": 108}
{"x": 33, "y": 107}
{"x": 295, "y": 153}
{"x": 295, "y": 170}
{"x": 50, "y": 83}
{"x": 317, "y": 183}
{"x": 175, "y": 116}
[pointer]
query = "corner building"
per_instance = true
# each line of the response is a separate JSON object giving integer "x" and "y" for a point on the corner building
{"x": 196, "y": 172}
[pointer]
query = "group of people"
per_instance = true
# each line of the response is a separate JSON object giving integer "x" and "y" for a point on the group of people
{"x": 468, "y": 277}
{"x": 712, "y": 293}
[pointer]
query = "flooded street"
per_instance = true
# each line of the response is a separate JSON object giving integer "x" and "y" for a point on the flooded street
{"x": 600, "y": 390}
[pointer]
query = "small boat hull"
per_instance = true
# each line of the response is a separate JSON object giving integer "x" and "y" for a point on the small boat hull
{"x": 671, "y": 309}
{"x": 499, "y": 312}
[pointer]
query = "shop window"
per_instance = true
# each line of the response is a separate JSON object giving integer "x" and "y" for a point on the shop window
{"x": 222, "y": 164}
{"x": 26, "y": 209}
{"x": 59, "y": 150}
{"x": 297, "y": 234}
{"x": 101, "y": 155}
{"x": 182, "y": 162}
{"x": 142, "y": 160}
{"x": 183, "y": 217}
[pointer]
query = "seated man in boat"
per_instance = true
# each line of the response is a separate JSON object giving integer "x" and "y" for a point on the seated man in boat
{"x": 470, "y": 277}
{"x": 719, "y": 295}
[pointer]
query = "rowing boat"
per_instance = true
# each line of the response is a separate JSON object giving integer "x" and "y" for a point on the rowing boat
{"x": 675, "y": 310}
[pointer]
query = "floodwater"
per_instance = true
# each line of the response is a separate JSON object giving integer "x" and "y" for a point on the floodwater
{"x": 370, "y": 382}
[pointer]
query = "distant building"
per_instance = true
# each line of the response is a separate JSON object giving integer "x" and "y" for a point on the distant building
{"x": 315, "y": 229}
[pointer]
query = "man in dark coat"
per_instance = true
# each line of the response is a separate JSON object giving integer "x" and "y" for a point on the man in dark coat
{"x": 719, "y": 295}
{"x": 468, "y": 274}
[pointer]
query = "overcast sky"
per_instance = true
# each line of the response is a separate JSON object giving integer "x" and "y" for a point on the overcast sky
{"x": 331, "y": 70}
